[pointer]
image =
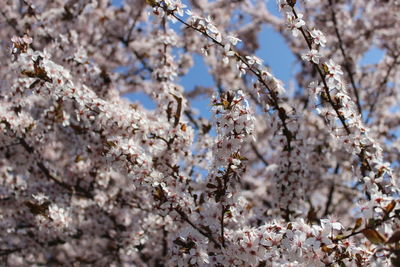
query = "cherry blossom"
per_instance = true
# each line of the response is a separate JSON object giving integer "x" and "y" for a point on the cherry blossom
{"x": 299, "y": 173}
{"x": 312, "y": 55}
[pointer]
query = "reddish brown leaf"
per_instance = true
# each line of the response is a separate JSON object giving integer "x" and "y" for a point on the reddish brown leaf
{"x": 357, "y": 224}
{"x": 395, "y": 237}
{"x": 390, "y": 207}
{"x": 374, "y": 236}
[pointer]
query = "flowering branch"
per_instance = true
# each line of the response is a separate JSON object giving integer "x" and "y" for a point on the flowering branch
{"x": 347, "y": 64}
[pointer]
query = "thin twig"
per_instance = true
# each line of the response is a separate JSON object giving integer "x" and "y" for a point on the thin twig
{"x": 364, "y": 161}
{"x": 201, "y": 231}
{"x": 258, "y": 154}
{"x": 346, "y": 59}
{"x": 274, "y": 96}
{"x": 330, "y": 194}
{"x": 380, "y": 87}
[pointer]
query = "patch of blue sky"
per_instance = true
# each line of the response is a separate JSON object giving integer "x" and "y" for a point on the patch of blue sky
{"x": 372, "y": 56}
{"x": 273, "y": 50}
{"x": 276, "y": 54}
{"x": 198, "y": 75}
{"x": 273, "y": 7}
{"x": 137, "y": 97}
{"x": 117, "y": 3}
{"x": 142, "y": 99}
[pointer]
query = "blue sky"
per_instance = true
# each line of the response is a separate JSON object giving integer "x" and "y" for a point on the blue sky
{"x": 273, "y": 50}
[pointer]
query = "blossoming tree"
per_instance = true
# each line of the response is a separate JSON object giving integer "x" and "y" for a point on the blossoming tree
{"x": 277, "y": 177}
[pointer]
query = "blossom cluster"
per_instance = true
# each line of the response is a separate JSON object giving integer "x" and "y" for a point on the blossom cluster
{"x": 278, "y": 175}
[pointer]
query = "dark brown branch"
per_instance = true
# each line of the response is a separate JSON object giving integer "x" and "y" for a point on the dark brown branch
{"x": 365, "y": 166}
{"x": 330, "y": 194}
{"x": 188, "y": 114}
{"x": 258, "y": 154}
{"x": 47, "y": 173}
{"x": 127, "y": 40}
{"x": 201, "y": 231}
{"x": 347, "y": 64}
{"x": 4, "y": 252}
{"x": 11, "y": 22}
{"x": 377, "y": 224}
{"x": 380, "y": 87}
{"x": 274, "y": 99}
{"x": 222, "y": 225}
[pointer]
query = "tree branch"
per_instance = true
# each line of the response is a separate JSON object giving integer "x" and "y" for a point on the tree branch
{"x": 346, "y": 59}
